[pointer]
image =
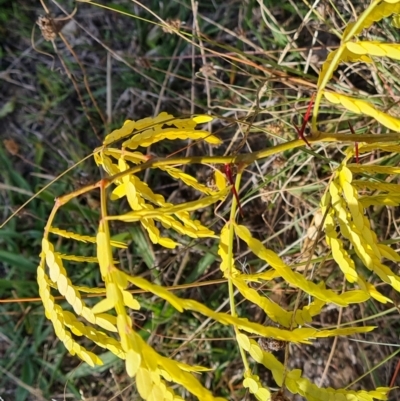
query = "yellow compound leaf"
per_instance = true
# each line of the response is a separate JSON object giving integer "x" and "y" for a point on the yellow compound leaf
{"x": 393, "y": 189}
{"x": 373, "y": 169}
{"x": 80, "y": 259}
{"x": 379, "y": 200}
{"x": 157, "y": 290}
{"x": 154, "y": 135}
{"x": 302, "y": 386}
{"x": 340, "y": 255}
{"x": 132, "y": 362}
{"x": 388, "y": 253}
{"x": 383, "y": 10}
{"x": 293, "y": 277}
{"x": 187, "y": 179}
{"x": 359, "y": 106}
{"x": 83, "y": 238}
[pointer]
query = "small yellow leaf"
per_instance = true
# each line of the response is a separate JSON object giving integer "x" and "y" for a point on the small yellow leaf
{"x": 202, "y": 118}
{"x": 129, "y": 301}
{"x": 132, "y": 362}
{"x": 243, "y": 341}
{"x": 107, "y": 322}
{"x": 144, "y": 383}
{"x": 251, "y": 384}
{"x": 103, "y": 306}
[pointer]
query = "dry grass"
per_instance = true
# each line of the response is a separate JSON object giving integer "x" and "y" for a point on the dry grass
{"x": 254, "y": 65}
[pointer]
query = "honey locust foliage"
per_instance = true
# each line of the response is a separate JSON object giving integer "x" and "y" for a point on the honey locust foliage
{"x": 108, "y": 324}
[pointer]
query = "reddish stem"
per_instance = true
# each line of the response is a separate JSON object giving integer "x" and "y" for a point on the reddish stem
{"x": 229, "y": 176}
{"x": 300, "y": 131}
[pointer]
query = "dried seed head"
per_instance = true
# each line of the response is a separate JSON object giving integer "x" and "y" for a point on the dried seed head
{"x": 271, "y": 344}
{"x": 172, "y": 25}
{"x": 48, "y": 27}
{"x": 279, "y": 397}
{"x": 266, "y": 195}
{"x": 208, "y": 70}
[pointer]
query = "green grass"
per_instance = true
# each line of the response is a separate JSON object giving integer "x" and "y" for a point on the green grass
{"x": 45, "y": 119}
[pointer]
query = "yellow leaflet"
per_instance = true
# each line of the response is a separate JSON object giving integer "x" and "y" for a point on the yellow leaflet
{"x": 144, "y": 382}
{"x": 83, "y": 238}
{"x": 227, "y": 265}
{"x": 132, "y": 362}
{"x": 103, "y": 253}
{"x": 202, "y": 118}
{"x": 220, "y": 180}
{"x": 129, "y": 301}
{"x": 187, "y": 179}
{"x": 106, "y": 322}
{"x": 292, "y": 277}
{"x": 359, "y": 106}
{"x": 252, "y": 382}
{"x": 380, "y": 11}
{"x": 104, "y": 305}
{"x": 365, "y": 285}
